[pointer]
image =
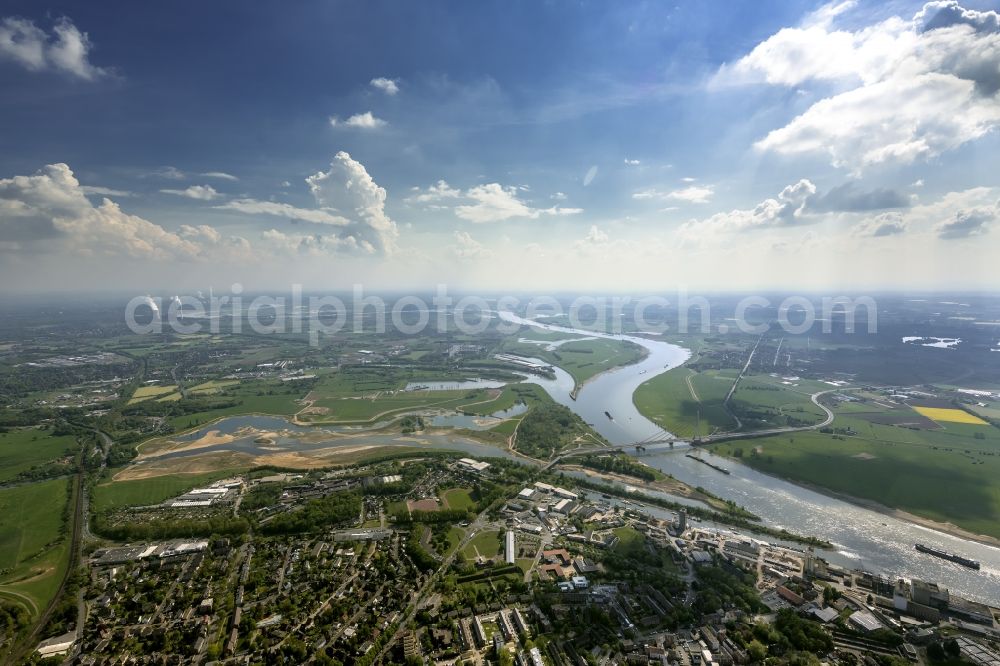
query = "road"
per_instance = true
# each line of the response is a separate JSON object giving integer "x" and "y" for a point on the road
{"x": 732, "y": 389}
{"x": 411, "y": 610}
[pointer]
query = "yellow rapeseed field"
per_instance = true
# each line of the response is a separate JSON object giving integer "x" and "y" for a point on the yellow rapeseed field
{"x": 950, "y": 415}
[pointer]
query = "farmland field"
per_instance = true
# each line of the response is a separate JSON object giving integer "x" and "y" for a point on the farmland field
{"x": 32, "y": 551}
{"x": 147, "y": 392}
{"x": 949, "y": 415}
{"x": 679, "y": 398}
{"x": 24, "y": 448}
{"x": 143, "y": 492}
{"x": 948, "y": 475}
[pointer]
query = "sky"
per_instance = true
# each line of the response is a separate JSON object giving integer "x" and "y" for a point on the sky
{"x": 600, "y": 146}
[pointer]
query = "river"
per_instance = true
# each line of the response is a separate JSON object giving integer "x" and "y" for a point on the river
{"x": 863, "y": 538}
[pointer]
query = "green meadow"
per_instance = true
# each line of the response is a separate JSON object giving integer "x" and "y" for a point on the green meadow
{"x": 949, "y": 474}
{"x": 24, "y": 448}
{"x": 34, "y": 547}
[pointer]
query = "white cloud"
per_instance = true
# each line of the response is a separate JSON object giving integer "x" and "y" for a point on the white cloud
{"x": 966, "y": 223}
{"x": 364, "y": 120}
{"x": 788, "y": 209}
{"x": 66, "y": 49}
{"x": 559, "y": 196}
{"x": 349, "y": 189}
{"x": 388, "y": 86}
{"x": 105, "y": 191}
{"x": 691, "y": 194}
{"x": 348, "y": 198}
{"x": 885, "y": 224}
{"x": 469, "y": 249}
{"x": 595, "y": 236}
{"x": 255, "y": 207}
{"x": 199, "y": 192}
{"x": 493, "y": 203}
{"x": 437, "y": 192}
{"x": 221, "y": 175}
{"x": 588, "y": 177}
{"x": 51, "y": 205}
{"x": 168, "y": 172}
{"x": 907, "y": 90}
{"x": 490, "y": 202}
{"x": 629, "y": 162}
{"x": 310, "y": 244}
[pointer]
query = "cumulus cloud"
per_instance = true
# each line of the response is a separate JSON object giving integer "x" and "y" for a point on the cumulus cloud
{"x": 312, "y": 245}
{"x": 468, "y": 248}
{"x": 348, "y": 188}
{"x": 199, "y": 192}
{"x": 885, "y": 224}
{"x": 907, "y": 89}
{"x": 438, "y": 191}
{"x": 490, "y": 202}
{"x": 388, "y": 86}
{"x": 966, "y": 223}
{"x": 365, "y": 121}
{"x": 629, "y": 162}
{"x": 595, "y": 236}
{"x": 65, "y": 50}
{"x": 788, "y": 209}
{"x": 348, "y": 198}
{"x": 51, "y": 205}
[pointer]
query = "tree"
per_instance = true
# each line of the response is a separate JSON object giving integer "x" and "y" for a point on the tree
{"x": 756, "y": 650}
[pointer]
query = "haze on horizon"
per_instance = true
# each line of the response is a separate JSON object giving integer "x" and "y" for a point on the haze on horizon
{"x": 604, "y": 146}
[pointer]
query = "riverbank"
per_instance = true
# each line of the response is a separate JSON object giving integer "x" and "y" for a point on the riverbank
{"x": 718, "y": 517}
{"x": 578, "y": 386}
{"x": 668, "y": 485}
{"x": 899, "y": 514}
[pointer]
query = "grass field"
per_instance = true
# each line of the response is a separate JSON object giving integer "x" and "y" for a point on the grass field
{"x": 255, "y": 398}
{"x": 949, "y": 415}
{"x": 486, "y": 543}
{"x": 147, "y": 392}
{"x": 23, "y": 448}
{"x": 776, "y": 403}
{"x": 949, "y": 475}
{"x": 214, "y": 386}
{"x": 582, "y": 359}
{"x": 681, "y": 399}
{"x": 458, "y": 498}
{"x": 455, "y": 536}
{"x": 33, "y": 551}
{"x": 143, "y": 492}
